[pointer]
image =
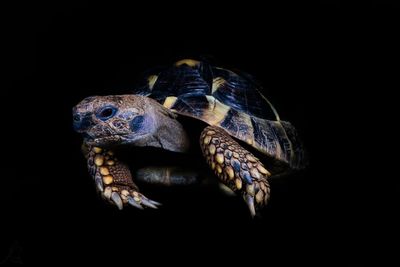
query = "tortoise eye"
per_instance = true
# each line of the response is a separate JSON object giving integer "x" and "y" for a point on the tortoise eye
{"x": 106, "y": 113}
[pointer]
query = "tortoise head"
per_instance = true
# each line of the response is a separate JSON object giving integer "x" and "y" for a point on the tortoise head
{"x": 128, "y": 119}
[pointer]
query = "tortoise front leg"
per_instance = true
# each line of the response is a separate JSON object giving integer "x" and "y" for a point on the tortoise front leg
{"x": 113, "y": 179}
{"x": 236, "y": 167}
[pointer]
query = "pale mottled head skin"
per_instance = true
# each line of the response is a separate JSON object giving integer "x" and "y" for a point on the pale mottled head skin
{"x": 128, "y": 119}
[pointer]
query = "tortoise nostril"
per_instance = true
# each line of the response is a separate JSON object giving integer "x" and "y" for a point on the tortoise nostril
{"x": 76, "y": 118}
{"x": 81, "y": 122}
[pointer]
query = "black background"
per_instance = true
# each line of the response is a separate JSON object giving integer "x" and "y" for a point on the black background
{"x": 321, "y": 68}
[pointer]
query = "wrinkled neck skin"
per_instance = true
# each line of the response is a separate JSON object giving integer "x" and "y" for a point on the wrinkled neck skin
{"x": 165, "y": 131}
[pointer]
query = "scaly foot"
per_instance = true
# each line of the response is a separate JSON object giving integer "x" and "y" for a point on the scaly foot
{"x": 114, "y": 180}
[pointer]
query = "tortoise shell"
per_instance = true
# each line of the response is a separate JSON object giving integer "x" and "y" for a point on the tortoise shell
{"x": 226, "y": 99}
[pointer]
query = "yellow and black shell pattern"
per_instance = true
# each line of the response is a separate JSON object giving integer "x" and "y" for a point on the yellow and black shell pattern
{"x": 226, "y": 99}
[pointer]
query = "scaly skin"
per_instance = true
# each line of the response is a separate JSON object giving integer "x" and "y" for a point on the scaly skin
{"x": 108, "y": 121}
{"x": 114, "y": 180}
{"x": 236, "y": 167}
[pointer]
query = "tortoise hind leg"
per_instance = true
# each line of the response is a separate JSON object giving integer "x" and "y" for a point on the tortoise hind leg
{"x": 168, "y": 176}
{"x": 236, "y": 167}
{"x": 113, "y": 179}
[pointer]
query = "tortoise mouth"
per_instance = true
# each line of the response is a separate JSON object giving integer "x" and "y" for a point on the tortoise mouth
{"x": 106, "y": 141}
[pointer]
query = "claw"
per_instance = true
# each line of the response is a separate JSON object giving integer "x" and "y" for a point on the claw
{"x": 99, "y": 183}
{"x": 147, "y": 203}
{"x": 117, "y": 200}
{"x": 250, "y": 189}
{"x": 155, "y": 202}
{"x": 132, "y": 202}
{"x": 107, "y": 192}
{"x": 250, "y": 203}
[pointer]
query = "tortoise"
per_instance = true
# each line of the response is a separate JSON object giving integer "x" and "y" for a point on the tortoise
{"x": 244, "y": 141}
